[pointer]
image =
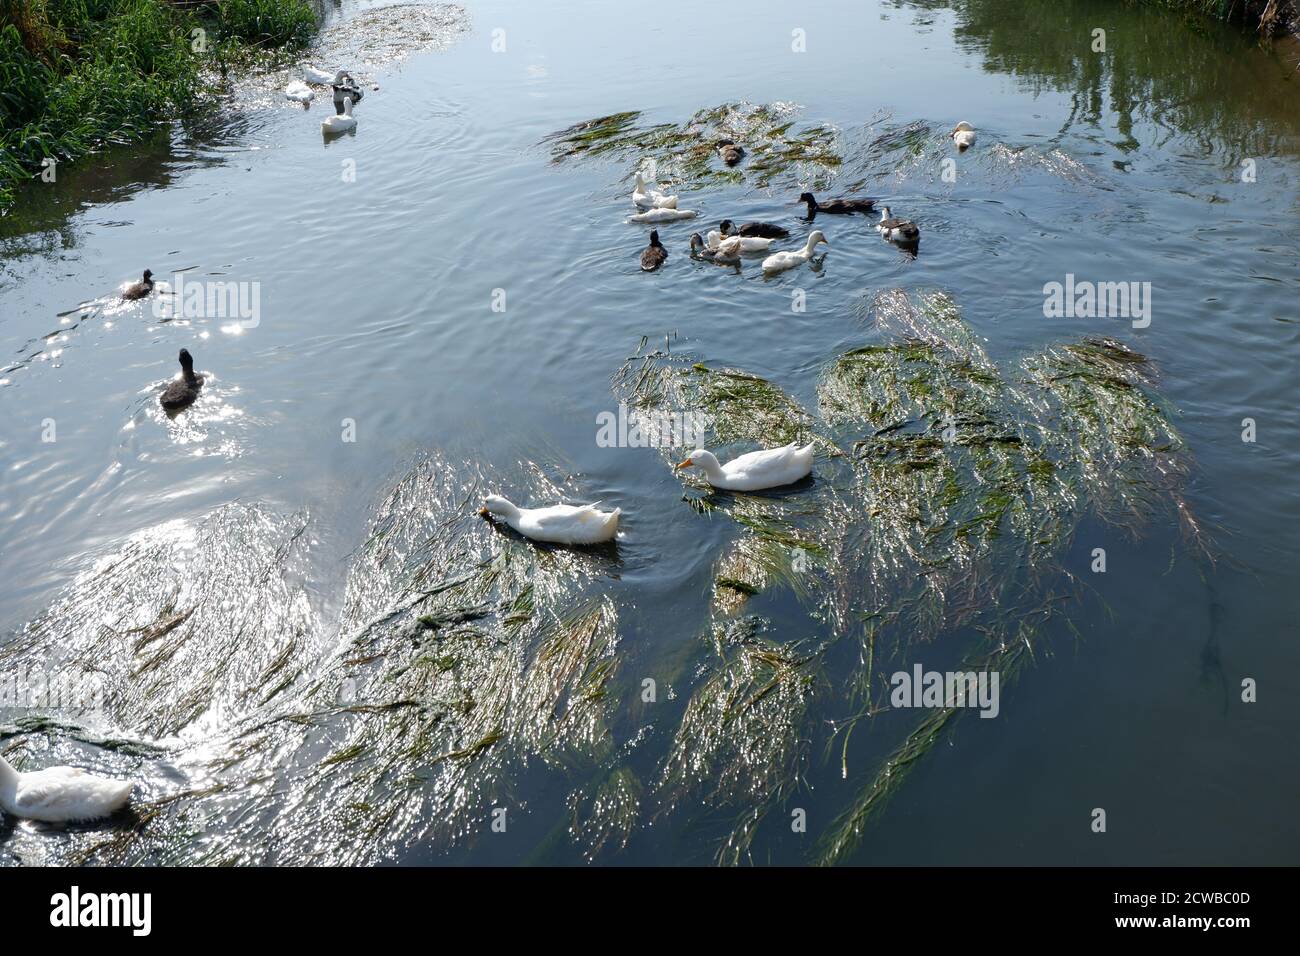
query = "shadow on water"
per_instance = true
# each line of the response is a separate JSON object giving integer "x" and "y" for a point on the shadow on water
{"x": 1245, "y": 105}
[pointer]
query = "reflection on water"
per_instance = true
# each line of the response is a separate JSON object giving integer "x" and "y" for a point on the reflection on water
{"x": 315, "y": 651}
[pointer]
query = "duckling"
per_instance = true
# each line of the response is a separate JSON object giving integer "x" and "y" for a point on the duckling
{"x": 701, "y": 250}
{"x": 730, "y": 151}
{"x": 963, "y": 134}
{"x": 765, "y": 230}
{"x": 838, "y": 207}
{"x": 182, "y": 392}
{"x": 904, "y": 232}
{"x": 138, "y": 290}
{"x": 653, "y": 255}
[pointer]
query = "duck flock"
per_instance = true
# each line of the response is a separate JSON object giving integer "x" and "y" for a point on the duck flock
{"x": 60, "y": 794}
{"x": 347, "y": 94}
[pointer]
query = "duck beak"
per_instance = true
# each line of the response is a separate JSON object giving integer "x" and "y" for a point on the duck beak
{"x": 684, "y": 464}
{"x": 484, "y": 513}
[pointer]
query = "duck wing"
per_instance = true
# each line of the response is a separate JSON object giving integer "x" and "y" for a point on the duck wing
{"x": 652, "y": 257}
{"x": 764, "y": 230}
{"x": 69, "y": 793}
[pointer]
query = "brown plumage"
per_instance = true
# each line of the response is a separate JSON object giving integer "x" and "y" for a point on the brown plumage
{"x": 138, "y": 290}
{"x": 653, "y": 255}
{"x": 730, "y": 151}
{"x": 185, "y": 389}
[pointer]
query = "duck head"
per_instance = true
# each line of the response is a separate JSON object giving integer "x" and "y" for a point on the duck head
{"x": 726, "y": 226}
{"x": 148, "y": 275}
{"x": 963, "y": 127}
{"x": 808, "y": 198}
{"x": 817, "y": 237}
{"x": 654, "y": 237}
{"x": 702, "y": 459}
{"x": 497, "y": 507}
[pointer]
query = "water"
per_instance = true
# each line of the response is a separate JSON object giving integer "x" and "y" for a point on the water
{"x": 376, "y": 314}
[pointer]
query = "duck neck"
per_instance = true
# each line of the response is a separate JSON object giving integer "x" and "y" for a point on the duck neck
{"x": 711, "y": 467}
{"x": 8, "y": 776}
{"x": 812, "y": 244}
{"x": 510, "y": 514}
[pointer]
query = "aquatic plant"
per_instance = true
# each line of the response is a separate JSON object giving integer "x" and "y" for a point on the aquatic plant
{"x": 963, "y": 489}
{"x": 686, "y": 152}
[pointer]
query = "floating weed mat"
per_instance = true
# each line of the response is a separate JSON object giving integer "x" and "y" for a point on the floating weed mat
{"x": 467, "y": 654}
{"x": 970, "y": 485}
{"x": 188, "y": 623}
{"x": 605, "y": 817}
{"x": 1100, "y": 416}
{"x": 786, "y": 529}
{"x": 686, "y": 153}
{"x": 945, "y": 469}
{"x": 365, "y": 44}
{"x": 742, "y": 744}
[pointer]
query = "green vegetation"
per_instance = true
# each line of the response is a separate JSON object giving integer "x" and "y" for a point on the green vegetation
{"x": 76, "y": 75}
{"x": 1269, "y": 17}
{"x": 957, "y": 491}
{"x": 686, "y": 152}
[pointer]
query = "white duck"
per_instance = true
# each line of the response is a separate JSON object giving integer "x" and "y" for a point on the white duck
{"x": 757, "y": 469}
{"x": 340, "y": 124}
{"x": 735, "y": 245}
{"x": 963, "y": 134}
{"x": 780, "y": 261}
{"x": 318, "y": 77}
{"x": 663, "y": 215}
{"x": 558, "y": 524}
{"x": 650, "y": 196}
{"x": 60, "y": 794}
{"x": 299, "y": 92}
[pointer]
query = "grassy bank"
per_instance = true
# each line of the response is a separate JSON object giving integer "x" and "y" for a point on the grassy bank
{"x": 79, "y": 74}
{"x": 1269, "y": 17}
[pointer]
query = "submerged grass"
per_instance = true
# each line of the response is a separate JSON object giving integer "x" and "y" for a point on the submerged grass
{"x": 964, "y": 486}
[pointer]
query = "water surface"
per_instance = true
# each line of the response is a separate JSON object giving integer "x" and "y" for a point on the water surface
{"x": 377, "y": 316}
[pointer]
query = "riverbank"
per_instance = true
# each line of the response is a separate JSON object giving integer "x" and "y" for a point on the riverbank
{"x": 78, "y": 76}
{"x": 1268, "y": 17}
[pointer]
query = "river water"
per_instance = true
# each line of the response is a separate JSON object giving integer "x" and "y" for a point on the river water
{"x": 214, "y": 569}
